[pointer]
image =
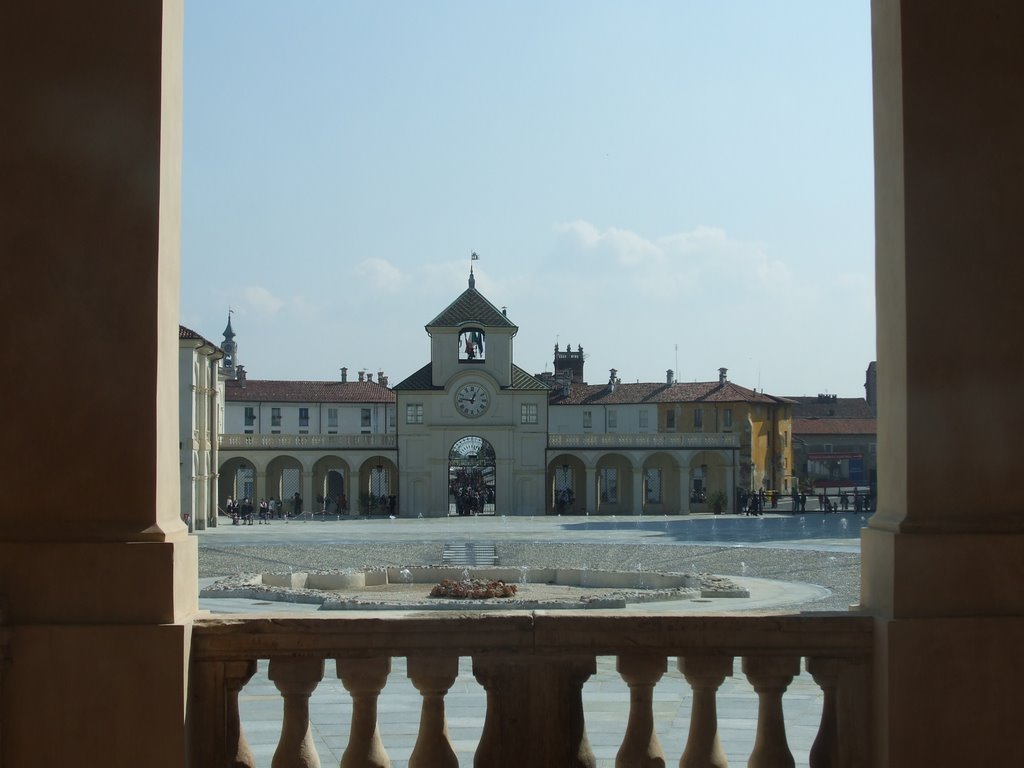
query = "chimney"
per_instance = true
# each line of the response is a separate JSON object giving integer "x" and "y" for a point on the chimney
{"x": 240, "y": 374}
{"x": 380, "y": 377}
{"x": 344, "y": 375}
{"x": 383, "y": 380}
{"x": 721, "y": 375}
{"x": 670, "y": 378}
{"x": 362, "y": 376}
{"x": 612, "y": 381}
{"x": 369, "y": 378}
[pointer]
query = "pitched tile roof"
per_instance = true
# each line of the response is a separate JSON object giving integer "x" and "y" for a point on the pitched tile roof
{"x": 471, "y": 307}
{"x": 835, "y": 427}
{"x": 421, "y": 380}
{"x": 190, "y": 335}
{"x": 831, "y": 408}
{"x": 266, "y": 390}
{"x": 680, "y": 392}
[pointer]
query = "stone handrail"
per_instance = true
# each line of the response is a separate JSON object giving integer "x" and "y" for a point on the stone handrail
{"x": 236, "y": 441}
{"x": 695, "y": 440}
{"x": 533, "y": 667}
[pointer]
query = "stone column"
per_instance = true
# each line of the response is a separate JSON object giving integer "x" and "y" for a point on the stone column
{"x": 943, "y": 557}
{"x": 684, "y": 488}
{"x": 98, "y": 594}
{"x": 591, "y": 500}
{"x": 259, "y": 487}
{"x": 638, "y": 491}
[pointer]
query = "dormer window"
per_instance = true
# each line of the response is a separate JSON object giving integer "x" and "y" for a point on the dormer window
{"x": 471, "y": 345}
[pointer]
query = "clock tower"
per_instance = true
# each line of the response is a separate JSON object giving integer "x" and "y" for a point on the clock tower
{"x": 472, "y": 425}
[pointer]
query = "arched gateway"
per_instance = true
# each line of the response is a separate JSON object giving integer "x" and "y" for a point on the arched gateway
{"x": 471, "y": 465}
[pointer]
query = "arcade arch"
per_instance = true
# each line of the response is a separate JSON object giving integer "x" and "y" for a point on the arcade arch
{"x": 237, "y": 481}
{"x": 378, "y": 486}
{"x": 472, "y": 465}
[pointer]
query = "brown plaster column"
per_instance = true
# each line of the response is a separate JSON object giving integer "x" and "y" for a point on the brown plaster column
{"x": 943, "y": 557}
{"x": 97, "y": 573}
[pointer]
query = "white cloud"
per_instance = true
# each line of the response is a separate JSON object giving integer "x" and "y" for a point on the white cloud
{"x": 381, "y": 275}
{"x": 675, "y": 263}
{"x": 261, "y": 300}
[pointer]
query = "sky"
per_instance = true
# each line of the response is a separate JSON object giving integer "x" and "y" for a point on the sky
{"x": 682, "y": 185}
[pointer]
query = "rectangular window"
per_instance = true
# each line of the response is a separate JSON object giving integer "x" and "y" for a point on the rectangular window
{"x": 303, "y": 417}
{"x": 414, "y": 413}
{"x": 250, "y": 416}
{"x": 653, "y": 486}
{"x": 365, "y": 420}
{"x": 609, "y": 479}
{"x": 332, "y": 418}
{"x": 588, "y": 419}
{"x": 613, "y": 420}
{"x": 670, "y": 419}
{"x": 698, "y": 419}
{"x": 391, "y": 420}
{"x": 643, "y": 419}
{"x": 529, "y": 413}
{"x": 872, "y": 448}
{"x": 727, "y": 418}
{"x": 275, "y": 417}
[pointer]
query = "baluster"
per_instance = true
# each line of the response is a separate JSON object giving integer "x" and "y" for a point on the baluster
{"x": 770, "y": 676}
{"x": 433, "y": 676}
{"x": 825, "y": 750}
{"x": 364, "y": 679}
{"x": 842, "y": 738}
{"x": 236, "y": 675}
{"x": 534, "y": 711}
{"x": 640, "y": 747}
{"x": 217, "y": 737}
{"x": 296, "y": 679}
{"x": 705, "y": 674}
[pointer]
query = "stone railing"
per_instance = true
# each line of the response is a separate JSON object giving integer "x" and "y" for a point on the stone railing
{"x": 694, "y": 440}
{"x": 532, "y": 667}
{"x": 299, "y": 442}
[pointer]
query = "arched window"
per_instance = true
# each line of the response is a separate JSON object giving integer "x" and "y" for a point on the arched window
{"x": 471, "y": 345}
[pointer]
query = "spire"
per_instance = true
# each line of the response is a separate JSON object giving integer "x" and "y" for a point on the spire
{"x": 472, "y": 280}
{"x": 229, "y": 334}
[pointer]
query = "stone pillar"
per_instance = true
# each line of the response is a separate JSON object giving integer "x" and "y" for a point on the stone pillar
{"x": 730, "y": 487}
{"x": 534, "y": 711}
{"x": 592, "y": 494}
{"x": 943, "y": 557}
{"x": 259, "y": 487}
{"x": 638, "y": 491}
{"x": 309, "y": 503}
{"x": 99, "y": 594}
{"x": 684, "y": 489}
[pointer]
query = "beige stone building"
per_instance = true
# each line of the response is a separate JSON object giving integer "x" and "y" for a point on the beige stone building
{"x": 199, "y": 410}
{"x": 472, "y": 425}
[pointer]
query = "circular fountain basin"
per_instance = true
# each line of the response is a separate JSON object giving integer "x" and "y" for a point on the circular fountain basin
{"x": 408, "y": 588}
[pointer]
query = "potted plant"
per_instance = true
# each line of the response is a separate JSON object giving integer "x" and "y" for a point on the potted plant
{"x": 718, "y": 502}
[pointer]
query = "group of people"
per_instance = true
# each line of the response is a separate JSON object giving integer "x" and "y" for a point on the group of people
{"x": 861, "y": 502}
{"x": 245, "y": 512}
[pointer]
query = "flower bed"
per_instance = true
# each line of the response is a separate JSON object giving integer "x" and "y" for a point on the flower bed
{"x": 473, "y": 589}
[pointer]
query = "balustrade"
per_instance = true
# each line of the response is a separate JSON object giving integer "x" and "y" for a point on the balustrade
{"x": 230, "y": 442}
{"x": 532, "y": 668}
{"x": 641, "y": 440}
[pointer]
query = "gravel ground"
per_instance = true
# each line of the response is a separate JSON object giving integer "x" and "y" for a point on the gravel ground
{"x": 837, "y": 571}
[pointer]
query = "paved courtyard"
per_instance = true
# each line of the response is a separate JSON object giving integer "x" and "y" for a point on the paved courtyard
{"x": 790, "y": 563}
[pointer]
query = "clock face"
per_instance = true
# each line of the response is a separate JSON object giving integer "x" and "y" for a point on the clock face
{"x": 472, "y": 400}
